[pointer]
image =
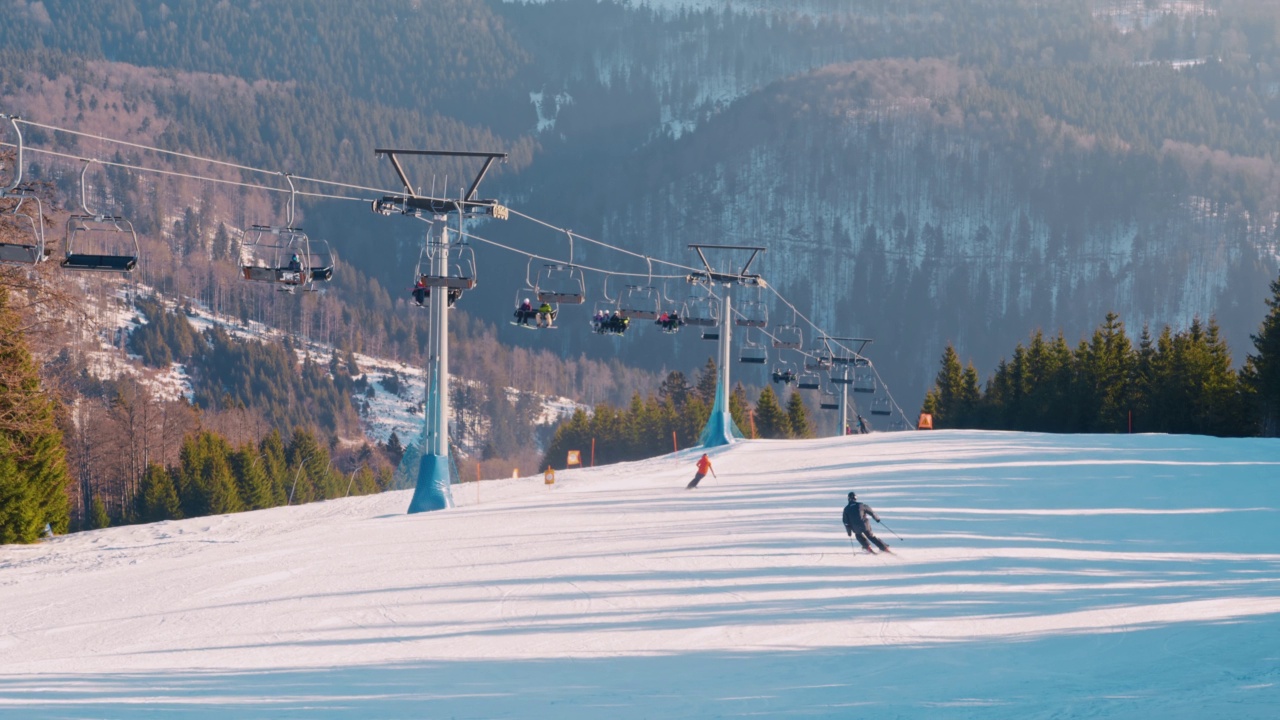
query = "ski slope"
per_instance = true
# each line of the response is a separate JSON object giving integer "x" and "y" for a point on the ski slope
{"x": 1037, "y": 576}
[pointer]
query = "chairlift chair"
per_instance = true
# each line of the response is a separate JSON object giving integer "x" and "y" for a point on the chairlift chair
{"x": 14, "y": 222}
{"x": 561, "y": 284}
{"x": 322, "y": 261}
{"x": 841, "y": 375}
{"x": 701, "y": 311}
{"x": 99, "y": 243}
{"x": 529, "y": 319}
{"x": 752, "y": 352}
{"x": 788, "y": 337}
{"x": 784, "y": 373}
{"x": 864, "y": 380}
{"x": 278, "y": 255}
{"x": 809, "y": 380}
{"x": 268, "y": 256}
{"x": 602, "y": 322}
{"x": 881, "y": 406}
{"x": 641, "y": 302}
{"x": 752, "y": 313}
{"x": 828, "y": 400}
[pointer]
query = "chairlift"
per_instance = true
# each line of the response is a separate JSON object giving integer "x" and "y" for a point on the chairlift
{"x": 752, "y": 352}
{"x": 322, "y": 261}
{"x": 561, "y": 284}
{"x": 641, "y": 302}
{"x": 281, "y": 255}
{"x": 841, "y": 375}
{"x": 701, "y": 311}
{"x": 527, "y": 312}
{"x": 753, "y": 313}
{"x": 788, "y": 337}
{"x": 607, "y": 318}
{"x": 864, "y": 380}
{"x": 809, "y": 380}
{"x": 96, "y": 242}
{"x": 818, "y": 357}
{"x": 785, "y": 373}
{"x": 881, "y": 406}
{"x": 828, "y": 400}
{"x": 15, "y": 222}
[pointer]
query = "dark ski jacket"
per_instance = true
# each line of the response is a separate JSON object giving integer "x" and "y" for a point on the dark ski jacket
{"x": 855, "y": 516}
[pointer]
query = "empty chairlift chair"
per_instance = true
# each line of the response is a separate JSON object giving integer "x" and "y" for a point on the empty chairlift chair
{"x": 828, "y": 400}
{"x": 96, "y": 242}
{"x": 809, "y": 380}
{"x": 752, "y": 352}
{"x": 641, "y": 302}
{"x": 22, "y": 223}
{"x": 788, "y": 337}
{"x": 561, "y": 284}
{"x": 752, "y": 313}
{"x": 864, "y": 380}
{"x": 881, "y": 406}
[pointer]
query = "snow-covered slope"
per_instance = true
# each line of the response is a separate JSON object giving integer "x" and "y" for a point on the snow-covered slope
{"x": 1037, "y": 576}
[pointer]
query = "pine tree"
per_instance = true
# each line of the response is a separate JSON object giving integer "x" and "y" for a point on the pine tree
{"x": 739, "y": 409}
{"x": 252, "y": 483}
{"x": 157, "y": 499}
{"x": 33, "y": 470}
{"x": 98, "y": 517}
{"x": 798, "y": 415}
{"x": 771, "y": 421}
{"x": 1261, "y": 374}
{"x": 705, "y": 387}
{"x": 947, "y": 390}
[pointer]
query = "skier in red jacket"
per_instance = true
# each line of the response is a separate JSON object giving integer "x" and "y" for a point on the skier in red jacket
{"x": 704, "y": 467}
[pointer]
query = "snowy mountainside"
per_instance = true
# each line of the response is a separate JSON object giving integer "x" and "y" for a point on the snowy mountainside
{"x": 1035, "y": 576}
{"x": 391, "y": 403}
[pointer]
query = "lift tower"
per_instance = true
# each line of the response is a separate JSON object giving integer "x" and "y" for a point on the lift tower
{"x": 720, "y": 429}
{"x": 445, "y": 283}
{"x": 845, "y": 359}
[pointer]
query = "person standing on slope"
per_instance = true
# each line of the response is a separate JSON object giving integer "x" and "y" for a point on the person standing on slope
{"x": 704, "y": 467}
{"x": 855, "y": 522}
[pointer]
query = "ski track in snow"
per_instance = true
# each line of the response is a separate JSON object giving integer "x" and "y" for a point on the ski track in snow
{"x": 1039, "y": 576}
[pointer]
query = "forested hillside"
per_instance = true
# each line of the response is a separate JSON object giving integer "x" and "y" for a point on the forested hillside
{"x": 923, "y": 172}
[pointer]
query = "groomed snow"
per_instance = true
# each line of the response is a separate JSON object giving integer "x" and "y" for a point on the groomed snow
{"x": 1038, "y": 576}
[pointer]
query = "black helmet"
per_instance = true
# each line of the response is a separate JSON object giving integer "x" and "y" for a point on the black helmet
{"x": 852, "y": 497}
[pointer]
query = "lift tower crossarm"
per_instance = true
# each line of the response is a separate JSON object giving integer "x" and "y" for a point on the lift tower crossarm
{"x": 862, "y": 343}
{"x": 411, "y": 202}
{"x": 742, "y": 277}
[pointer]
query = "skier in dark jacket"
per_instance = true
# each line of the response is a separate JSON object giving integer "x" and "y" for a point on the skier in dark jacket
{"x": 855, "y": 522}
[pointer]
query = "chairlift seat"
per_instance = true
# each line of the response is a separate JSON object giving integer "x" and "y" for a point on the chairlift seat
{"x": 453, "y": 283}
{"x": 877, "y": 411}
{"x": 752, "y": 359}
{"x": 100, "y": 263}
{"x": 324, "y": 274}
{"x": 809, "y": 384}
{"x": 863, "y": 389}
{"x": 750, "y": 322}
{"x": 20, "y": 254}
{"x": 710, "y": 334}
{"x": 828, "y": 405}
{"x": 558, "y": 297}
{"x": 841, "y": 380}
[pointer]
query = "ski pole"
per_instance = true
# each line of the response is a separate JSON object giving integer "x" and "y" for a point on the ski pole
{"x": 852, "y": 546}
{"x": 886, "y": 527}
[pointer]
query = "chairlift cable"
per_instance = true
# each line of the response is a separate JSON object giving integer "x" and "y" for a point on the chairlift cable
{"x": 350, "y": 186}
